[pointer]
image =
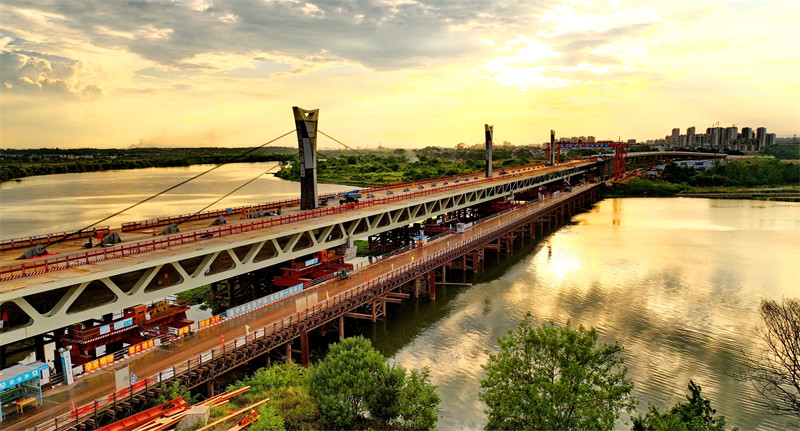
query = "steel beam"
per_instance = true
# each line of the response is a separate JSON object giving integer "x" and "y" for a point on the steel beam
{"x": 138, "y": 279}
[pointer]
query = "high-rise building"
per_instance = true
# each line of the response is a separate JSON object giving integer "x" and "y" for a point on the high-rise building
{"x": 714, "y": 137}
{"x": 676, "y": 136}
{"x": 730, "y": 135}
{"x": 747, "y": 133}
{"x": 690, "y": 137}
{"x": 770, "y": 139}
{"x": 761, "y": 137}
{"x": 590, "y": 139}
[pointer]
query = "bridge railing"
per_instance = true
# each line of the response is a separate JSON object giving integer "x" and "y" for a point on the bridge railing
{"x": 30, "y": 241}
{"x": 371, "y": 289}
{"x": 54, "y": 263}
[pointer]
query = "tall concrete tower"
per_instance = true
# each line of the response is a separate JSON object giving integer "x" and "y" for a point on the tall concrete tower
{"x": 489, "y": 135}
{"x": 553, "y": 156}
{"x": 306, "y": 123}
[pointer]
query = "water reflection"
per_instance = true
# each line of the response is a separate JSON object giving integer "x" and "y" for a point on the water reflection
{"x": 53, "y": 203}
{"x": 681, "y": 300}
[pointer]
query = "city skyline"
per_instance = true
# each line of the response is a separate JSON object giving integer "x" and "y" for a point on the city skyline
{"x": 400, "y": 73}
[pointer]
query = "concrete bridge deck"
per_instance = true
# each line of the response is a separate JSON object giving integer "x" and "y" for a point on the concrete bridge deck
{"x": 98, "y": 385}
{"x": 133, "y": 272}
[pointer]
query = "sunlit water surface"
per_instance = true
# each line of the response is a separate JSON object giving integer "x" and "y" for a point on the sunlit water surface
{"x": 54, "y": 203}
{"x": 676, "y": 282}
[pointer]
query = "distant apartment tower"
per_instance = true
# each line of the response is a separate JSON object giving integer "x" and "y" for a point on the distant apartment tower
{"x": 770, "y": 139}
{"x": 590, "y": 139}
{"x": 747, "y": 133}
{"x": 714, "y": 137}
{"x": 731, "y": 133}
{"x": 675, "y": 139}
{"x": 761, "y": 138}
{"x": 690, "y": 137}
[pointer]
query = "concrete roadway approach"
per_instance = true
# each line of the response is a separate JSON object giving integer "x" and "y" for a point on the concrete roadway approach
{"x": 99, "y": 384}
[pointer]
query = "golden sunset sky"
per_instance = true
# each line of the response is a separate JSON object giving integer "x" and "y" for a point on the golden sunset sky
{"x": 404, "y": 73}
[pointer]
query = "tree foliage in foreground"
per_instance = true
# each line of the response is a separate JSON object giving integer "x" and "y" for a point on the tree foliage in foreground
{"x": 554, "y": 377}
{"x": 695, "y": 414}
{"x": 775, "y": 370}
{"x": 287, "y": 387}
{"x": 171, "y": 391}
{"x": 355, "y": 387}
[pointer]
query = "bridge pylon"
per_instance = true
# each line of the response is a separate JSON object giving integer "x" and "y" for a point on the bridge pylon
{"x": 488, "y": 129}
{"x": 306, "y": 123}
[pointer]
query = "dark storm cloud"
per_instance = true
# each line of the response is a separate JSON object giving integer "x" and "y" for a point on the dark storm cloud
{"x": 374, "y": 33}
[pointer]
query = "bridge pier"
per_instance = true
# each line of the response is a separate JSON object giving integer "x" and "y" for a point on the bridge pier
{"x": 305, "y": 359}
{"x": 432, "y": 285}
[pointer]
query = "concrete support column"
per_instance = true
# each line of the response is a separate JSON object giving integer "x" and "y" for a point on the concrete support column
{"x": 305, "y": 358}
{"x": 289, "y": 351}
{"x": 306, "y": 123}
{"x": 39, "y": 348}
{"x": 432, "y": 285}
{"x": 210, "y": 388}
{"x": 341, "y": 327}
{"x": 488, "y": 129}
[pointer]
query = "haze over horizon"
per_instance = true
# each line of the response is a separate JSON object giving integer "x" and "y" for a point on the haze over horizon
{"x": 402, "y": 73}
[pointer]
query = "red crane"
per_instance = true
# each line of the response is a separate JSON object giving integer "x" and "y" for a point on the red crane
{"x": 620, "y": 151}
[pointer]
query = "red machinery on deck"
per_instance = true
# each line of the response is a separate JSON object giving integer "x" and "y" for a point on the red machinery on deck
{"x": 322, "y": 264}
{"x": 620, "y": 151}
{"x": 130, "y": 328}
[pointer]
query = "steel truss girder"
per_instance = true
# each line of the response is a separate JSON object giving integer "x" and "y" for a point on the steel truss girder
{"x": 208, "y": 370}
{"x": 220, "y": 260}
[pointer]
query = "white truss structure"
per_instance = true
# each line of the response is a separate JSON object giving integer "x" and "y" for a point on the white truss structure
{"x": 80, "y": 293}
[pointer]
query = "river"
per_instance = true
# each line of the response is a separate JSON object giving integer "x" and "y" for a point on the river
{"x": 54, "y": 203}
{"x": 676, "y": 282}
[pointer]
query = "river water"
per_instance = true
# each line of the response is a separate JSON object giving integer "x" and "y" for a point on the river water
{"x": 676, "y": 282}
{"x": 54, "y": 203}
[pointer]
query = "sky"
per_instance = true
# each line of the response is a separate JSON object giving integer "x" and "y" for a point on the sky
{"x": 401, "y": 73}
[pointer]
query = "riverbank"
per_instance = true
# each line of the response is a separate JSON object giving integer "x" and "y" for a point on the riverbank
{"x": 639, "y": 187}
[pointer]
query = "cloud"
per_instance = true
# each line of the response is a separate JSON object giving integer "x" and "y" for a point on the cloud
{"x": 379, "y": 34}
{"x": 34, "y": 72}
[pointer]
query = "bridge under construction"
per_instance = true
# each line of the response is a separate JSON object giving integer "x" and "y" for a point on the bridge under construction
{"x": 281, "y": 267}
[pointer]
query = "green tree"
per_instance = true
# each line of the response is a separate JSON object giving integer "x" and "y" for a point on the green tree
{"x": 346, "y": 379}
{"x": 554, "y": 377}
{"x": 354, "y": 386}
{"x": 419, "y": 402}
{"x": 269, "y": 419}
{"x": 171, "y": 391}
{"x": 287, "y": 387}
{"x": 694, "y": 415}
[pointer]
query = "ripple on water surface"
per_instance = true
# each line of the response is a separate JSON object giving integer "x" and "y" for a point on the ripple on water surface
{"x": 681, "y": 299}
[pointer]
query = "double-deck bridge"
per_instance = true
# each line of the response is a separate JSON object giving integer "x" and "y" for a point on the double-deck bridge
{"x": 70, "y": 284}
{"x": 74, "y": 286}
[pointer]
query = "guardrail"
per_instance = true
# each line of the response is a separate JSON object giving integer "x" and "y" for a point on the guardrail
{"x": 370, "y": 289}
{"x": 54, "y": 263}
{"x": 30, "y": 241}
{"x": 163, "y": 221}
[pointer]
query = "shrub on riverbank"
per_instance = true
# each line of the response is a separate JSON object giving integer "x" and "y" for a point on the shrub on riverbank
{"x": 352, "y": 388}
{"x": 644, "y": 187}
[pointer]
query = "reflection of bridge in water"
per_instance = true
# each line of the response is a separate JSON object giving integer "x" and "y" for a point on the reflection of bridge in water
{"x": 44, "y": 296}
